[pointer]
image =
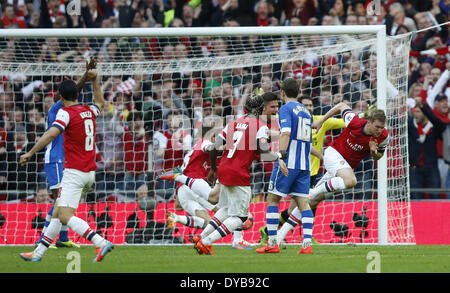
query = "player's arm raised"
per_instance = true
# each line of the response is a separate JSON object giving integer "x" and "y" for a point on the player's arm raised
{"x": 339, "y": 108}
{"x": 46, "y": 138}
{"x": 89, "y": 65}
{"x": 99, "y": 100}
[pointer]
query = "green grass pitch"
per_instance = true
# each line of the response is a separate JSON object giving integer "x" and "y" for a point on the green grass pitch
{"x": 183, "y": 259}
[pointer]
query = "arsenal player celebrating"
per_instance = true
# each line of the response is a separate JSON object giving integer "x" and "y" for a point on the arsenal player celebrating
{"x": 245, "y": 138}
{"x": 77, "y": 122}
{"x": 359, "y": 138}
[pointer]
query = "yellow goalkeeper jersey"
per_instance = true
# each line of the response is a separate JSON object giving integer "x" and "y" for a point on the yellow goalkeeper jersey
{"x": 318, "y": 137}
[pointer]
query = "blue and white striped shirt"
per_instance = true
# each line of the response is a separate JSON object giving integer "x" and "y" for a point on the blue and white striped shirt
{"x": 54, "y": 152}
{"x": 296, "y": 119}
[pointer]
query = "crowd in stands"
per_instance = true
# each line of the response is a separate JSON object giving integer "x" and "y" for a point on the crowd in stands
{"x": 151, "y": 121}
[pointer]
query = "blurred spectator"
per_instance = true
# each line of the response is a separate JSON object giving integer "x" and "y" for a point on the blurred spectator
{"x": 324, "y": 103}
{"x": 397, "y": 11}
{"x": 20, "y": 179}
{"x": 35, "y": 124}
{"x": 303, "y": 9}
{"x": 142, "y": 192}
{"x": 136, "y": 143}
{"x": 360, "y": 107}
{"x": 441, "y": 110}
{"x": 172, "y": 142}
{"x": 111, "y": 168}
{"x": 10, "y": 17}
{"x": 424, "y": 128}
{"x": 355, "y": 85}
{"x": 91, "y": 16}
{"x": 42, "y": 196}
{"x": 338, "y": 12}
{"x": 170, "y": 147}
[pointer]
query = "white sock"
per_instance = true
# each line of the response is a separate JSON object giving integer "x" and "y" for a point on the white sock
{"x": 215, "y": 222}
{"x": 292, "y": 221}
{"x": 331, "y": 185}
{"x": 237, "y": 236}
{"x": 82, "y": 228}
{"x": 200, "y": 187}
{"x": 50, "y": 234}
{"x": 227, "y": 227}
{"x": 48, "y": 218}
{"x": 190, "y": 221}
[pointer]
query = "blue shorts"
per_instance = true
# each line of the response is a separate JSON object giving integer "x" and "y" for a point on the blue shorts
{"x": 54, "y": 173}
{"x": 295, "y": 184}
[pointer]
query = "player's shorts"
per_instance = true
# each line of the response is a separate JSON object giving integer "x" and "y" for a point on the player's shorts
{"x": 295, "y": 184}
{"x": 188, "y": 200}
{"x": 74, "y": 185}
{"x": 54, "y": 172}
{"x": 333, "y": 161}
{"x": 236, "y": 199}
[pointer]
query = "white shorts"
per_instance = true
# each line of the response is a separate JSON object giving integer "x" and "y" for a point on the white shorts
{"x": 333, "y": 161}
{"x": 236, "y": 199}
{"x": 189, "y": 200}
{"x": 74, "y": 184}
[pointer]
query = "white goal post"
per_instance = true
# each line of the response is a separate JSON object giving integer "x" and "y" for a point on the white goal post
{"x": 391, "y": 72}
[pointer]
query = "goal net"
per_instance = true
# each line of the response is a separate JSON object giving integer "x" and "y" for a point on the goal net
{"x": 160, "y": 85}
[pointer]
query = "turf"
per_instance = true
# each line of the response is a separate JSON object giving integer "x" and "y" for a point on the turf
{"x": 183, "y": 259}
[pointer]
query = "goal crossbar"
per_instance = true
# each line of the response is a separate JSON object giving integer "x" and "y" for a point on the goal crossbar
{"x": 194, "y": 31}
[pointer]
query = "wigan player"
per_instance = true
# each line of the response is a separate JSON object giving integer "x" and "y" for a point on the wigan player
{"x": 359, "y": 138}
{"x": 244, "y": 137}
{"x": 291, "y": 174}
{"x": 77, "y": 122}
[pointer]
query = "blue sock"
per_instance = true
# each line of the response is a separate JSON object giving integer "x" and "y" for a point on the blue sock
{"x": 64, "y": 233}
{"x": 273, "y": 220}
{"x": 47, "y": 222}
{"x": 307, "y": 223}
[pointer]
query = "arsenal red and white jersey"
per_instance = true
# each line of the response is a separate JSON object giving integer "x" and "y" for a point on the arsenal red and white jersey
{"x": 241, "y": 137}
{"x": 353, "y": 143}
{"x": 79, "y": 127}
{"x": 197, "y": 162}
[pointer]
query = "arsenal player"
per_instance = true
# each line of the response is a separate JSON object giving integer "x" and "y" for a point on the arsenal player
{"x": 245, "y": 138}
{"x": 359, "y": 138}
{"x": 77, "y": 122}
{"x": 194, "y": 194}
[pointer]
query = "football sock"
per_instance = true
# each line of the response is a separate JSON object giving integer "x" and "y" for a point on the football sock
{"x": 64, "y": 233}
{"x": 237, "y": 235}
{"x": 52, "y": 231}
{"x": 292, "y": 221}
{"x": 228, "y": 226}
{"x": 215, "y": 222}
{"x": 47, "y": 222}
{"x": 272, "y": 219}
{"x": 284, "y": 215}
{"x": 200, "y": 187}
{"x": 307, "y": 223}
{"x": 331, "y": 185}
{"x": 190, "y": 221}
{"x": 82, "y": 228}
